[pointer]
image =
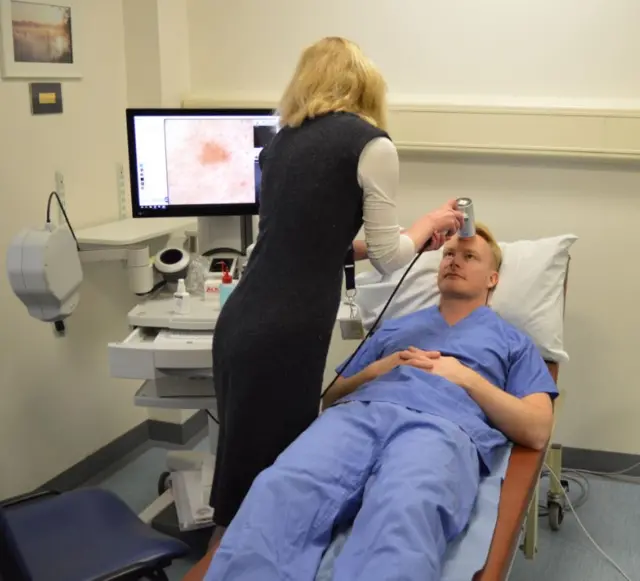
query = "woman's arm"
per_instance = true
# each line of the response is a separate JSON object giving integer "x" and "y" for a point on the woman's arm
{"x": 360, "y": 248}
{"x": 386, "y": 245}
{"x": 379, "y": 175}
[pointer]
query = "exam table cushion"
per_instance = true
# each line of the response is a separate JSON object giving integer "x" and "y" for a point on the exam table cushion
{"x": 85, "y": 534}
{"x": 529, "y": 295}
{"x": 519, "y": 484}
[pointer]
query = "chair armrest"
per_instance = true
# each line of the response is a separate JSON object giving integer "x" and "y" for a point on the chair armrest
{"x": 518, "y": 487}
{"x": 28, "y": 497}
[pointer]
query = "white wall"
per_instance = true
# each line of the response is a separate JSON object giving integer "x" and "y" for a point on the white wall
{"x": 57, "y": 402}
{"x": 496, "y": 51}
{"x": 553, "y": 53}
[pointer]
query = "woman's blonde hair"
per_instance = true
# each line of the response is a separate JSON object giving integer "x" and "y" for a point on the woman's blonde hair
{"x": 334, "y": 75}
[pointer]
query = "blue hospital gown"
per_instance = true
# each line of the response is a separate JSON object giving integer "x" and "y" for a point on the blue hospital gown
{"x": 403, "y": 457}
{"x": 483, "y": 341}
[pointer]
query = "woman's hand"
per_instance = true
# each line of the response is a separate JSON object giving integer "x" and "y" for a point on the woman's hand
{"x": 446, "y": 220}
{"x": 437, "y": 241}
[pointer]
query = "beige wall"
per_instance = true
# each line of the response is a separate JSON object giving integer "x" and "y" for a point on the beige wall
{"x": 547, "y": 52}
{"x": 57, "y": 402}
{"x": 493, "y": 55}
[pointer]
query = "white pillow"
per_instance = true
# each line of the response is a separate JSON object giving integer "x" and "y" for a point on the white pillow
{"x": 529, "y": 294}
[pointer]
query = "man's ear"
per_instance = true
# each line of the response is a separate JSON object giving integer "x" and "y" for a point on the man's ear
{"x": 493, "y": 280}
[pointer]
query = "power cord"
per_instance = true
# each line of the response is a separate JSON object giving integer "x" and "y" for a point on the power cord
{"x": 155, "y": 288}
{"x": 586, "y": 532}
{"x": 579, "y": 477}
{"x": 59, "y": 326}
{"x": 622, "y": 472}
{"x": 55, "y": 195}
{"x": 212, "y": 417}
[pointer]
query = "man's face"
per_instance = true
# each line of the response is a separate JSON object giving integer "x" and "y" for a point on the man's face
{"x": 467, "y": 269}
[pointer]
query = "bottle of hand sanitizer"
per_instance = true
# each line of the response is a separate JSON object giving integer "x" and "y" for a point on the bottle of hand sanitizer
{"x": 181, "y": 298}
{"x": 227, "y": 285}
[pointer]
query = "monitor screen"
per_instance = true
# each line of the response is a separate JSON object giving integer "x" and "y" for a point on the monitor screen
{"x": 196, "y": 162}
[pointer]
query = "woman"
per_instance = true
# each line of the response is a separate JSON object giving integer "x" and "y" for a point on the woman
{"x": 331, "y": 168}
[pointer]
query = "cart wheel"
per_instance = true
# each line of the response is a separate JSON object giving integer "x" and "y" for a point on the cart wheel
{"x": 164, "y": 483}
{"x": 556, "y": 515}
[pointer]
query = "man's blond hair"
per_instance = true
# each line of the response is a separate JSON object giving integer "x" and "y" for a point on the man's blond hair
{"x": 333, "y": 75}
{"x": 496, "y": 251}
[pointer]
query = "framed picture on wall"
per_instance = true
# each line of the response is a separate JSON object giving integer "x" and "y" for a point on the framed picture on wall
{"x": 38, "y": 39}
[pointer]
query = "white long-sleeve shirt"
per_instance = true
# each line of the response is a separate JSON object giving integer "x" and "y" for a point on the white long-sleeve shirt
{"x": 379, "y": 177}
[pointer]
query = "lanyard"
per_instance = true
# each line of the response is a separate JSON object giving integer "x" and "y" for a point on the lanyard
{"x": 350, "y": 272}
{"x": 352, "y": 327}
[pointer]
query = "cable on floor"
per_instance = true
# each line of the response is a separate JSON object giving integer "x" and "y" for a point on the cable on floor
{"x": 623, "y": 472}
{"x": 570, "y": 476}
{"x": 579, "y": 477}
{"x": 586, "y": 532}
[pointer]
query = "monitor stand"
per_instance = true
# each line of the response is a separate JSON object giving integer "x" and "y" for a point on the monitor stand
{"x": 234, "y": 232}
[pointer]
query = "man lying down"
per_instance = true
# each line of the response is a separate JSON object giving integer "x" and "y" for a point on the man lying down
{"x": 409, "y": 428}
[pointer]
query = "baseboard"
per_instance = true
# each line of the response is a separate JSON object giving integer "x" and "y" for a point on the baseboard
{"x": 179, "y": 434}
{"x": 599, "y": 461}
{"x": 135, "y": 441}
{"x": 152, "y": 432}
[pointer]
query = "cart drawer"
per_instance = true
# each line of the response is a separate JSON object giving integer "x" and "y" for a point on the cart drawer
{"x": 154, "y": 353}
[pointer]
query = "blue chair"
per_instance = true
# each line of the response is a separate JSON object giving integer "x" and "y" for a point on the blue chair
{"x": 82, "y": 535}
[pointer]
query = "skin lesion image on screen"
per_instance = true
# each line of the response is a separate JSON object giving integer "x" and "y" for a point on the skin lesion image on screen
{"x": 210, "y": 161}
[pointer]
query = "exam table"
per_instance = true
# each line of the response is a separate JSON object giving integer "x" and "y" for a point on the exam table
{"x": 172, "y": 355}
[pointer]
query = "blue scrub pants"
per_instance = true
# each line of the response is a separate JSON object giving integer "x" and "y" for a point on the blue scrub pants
{"x": 410, "y": 479}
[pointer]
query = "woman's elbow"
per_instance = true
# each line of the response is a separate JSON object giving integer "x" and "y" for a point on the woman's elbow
{"x": 391, "y": 255}
{"x": 388, "y": 263}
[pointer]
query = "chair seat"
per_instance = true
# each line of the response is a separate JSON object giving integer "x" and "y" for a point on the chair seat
{"x": 86, "y": 535}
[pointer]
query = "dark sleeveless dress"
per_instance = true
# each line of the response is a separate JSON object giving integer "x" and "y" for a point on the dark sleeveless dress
{"x": 272, "y": 337}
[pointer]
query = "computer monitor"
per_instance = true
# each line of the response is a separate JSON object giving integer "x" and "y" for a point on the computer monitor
{"x": 196, "y": 162}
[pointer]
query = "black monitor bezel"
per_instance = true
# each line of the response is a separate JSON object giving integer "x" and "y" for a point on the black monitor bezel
{"x": 190, "y": 210}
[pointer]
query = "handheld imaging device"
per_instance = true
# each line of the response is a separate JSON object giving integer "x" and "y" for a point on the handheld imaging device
{"x": 468, "y": 230}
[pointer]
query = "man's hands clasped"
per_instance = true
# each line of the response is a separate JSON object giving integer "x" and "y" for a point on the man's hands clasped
{"x": 430, "y": 361}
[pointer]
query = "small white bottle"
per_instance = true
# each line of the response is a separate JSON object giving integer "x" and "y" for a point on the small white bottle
{"x": 181, "y": 298}
{"x": 211, "y": 287}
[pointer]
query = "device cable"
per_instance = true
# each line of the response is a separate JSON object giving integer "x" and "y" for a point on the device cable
{"x": 225, "y": 249}
{"x": 154, "y": 288}
{"x": 622, "y": 472}
{"x": 586, "y": 532}
{"x": 55, "y": 195}
{"x": 379, "y": 317}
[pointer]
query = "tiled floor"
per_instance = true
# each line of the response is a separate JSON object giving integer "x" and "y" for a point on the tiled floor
{"x": 611, "y": 515}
